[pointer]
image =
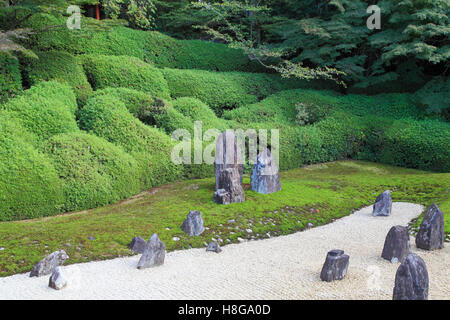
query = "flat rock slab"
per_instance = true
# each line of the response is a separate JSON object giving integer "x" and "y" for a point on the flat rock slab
{"x": 47, "y": 265}
{"x": 431, "y": 233}
{"x": 411, "y": 279}
{"x": 383, "y": 205}
{"x": 397, "y": 244}
{"x": 265, "y": 176}
{"x": 193, "y": 224}
{"x": 154, "y": 253}
{"x": 335, "y": 266}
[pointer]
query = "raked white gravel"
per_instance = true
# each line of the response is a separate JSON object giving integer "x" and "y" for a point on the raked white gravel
{"x": 286, "y": 267}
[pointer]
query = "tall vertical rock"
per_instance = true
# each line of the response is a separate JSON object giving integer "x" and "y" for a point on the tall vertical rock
{"x": 228, "y": 155}
{"x": 229, "y": 187}
{"x": 411, "y": 279}
{"x": 431, "y": 232}
{"x": 396, "y": 246}
{"x": 265, "y": 175}
{"x": 383, "y": 205}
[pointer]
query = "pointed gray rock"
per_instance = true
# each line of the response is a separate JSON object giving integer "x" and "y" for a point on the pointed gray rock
{"x": 214, "y": 247}
{"x": 193, "y": 224}
{"x": 47, "y": 265}
{"x": 57, "y": 281}
{"x": 411, "y": 279}
{"x": 383, "y": 204}
{"x": 431, "y": 233}
{"x": 138, "y": 245}
{"x": 396, "y": 246}
{"x": 265, "y": 177}
{"x": 154, "y": 253}
{"x": 228, "y": 155}
{"x": 230, "y": 188}
{"x": 335, "y": 266}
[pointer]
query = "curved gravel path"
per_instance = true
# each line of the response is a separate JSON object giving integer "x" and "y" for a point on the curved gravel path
{"x": 285, "y": 267}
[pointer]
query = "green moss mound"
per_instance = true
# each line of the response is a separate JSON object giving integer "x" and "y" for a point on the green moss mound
{"x": 107, "y": 117}
{"x": 59, "y": 66}
{"x": 10, "y": 77}
{"x": 224, "y": 90}
{"x": 29, "y": 184}
{"x": 45, "y": 110}
{"x": 123, "y": 71}
{"x": 93, "y": 171}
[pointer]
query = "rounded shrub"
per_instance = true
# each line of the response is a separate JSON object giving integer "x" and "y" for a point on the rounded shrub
{"x": 93, "y": 171}
{"x": 417, "y": 144}
{"x": 124, "y": 71}
{"x": 224, "y": 90}
{"x": 46, "y": 109}
{"x": 10, "y": 77}
{"x": 29, "y": 184}
{"x": 107, "y": 117}
{"x": 59, "y": 66}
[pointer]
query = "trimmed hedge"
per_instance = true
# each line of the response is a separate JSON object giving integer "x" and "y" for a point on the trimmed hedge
{"x": 123, "y": 71}
{"x": 224, "y": 90}
{"x": 29, "y": 184}
{"x": 94, "y": 172}
{"x": 10, "y": 77}
{"x": 59, "y": 66}
{"x": 107, "y": 117}
{"x": 46, "y": 109}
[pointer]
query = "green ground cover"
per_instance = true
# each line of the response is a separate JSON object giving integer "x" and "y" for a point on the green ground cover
{"x": 315, "y": 194}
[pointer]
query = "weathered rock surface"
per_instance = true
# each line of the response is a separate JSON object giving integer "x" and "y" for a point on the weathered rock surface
{"x": 154, "y": 253}
{"x": 228, "y": 155}
{"x": 214, "y": 247}
{"x": 47, "y": 265}
{"x": 138, "y": 245}
{"x": 265, "y": 176}
{"x": 57, "y": 281}
{"x": 431, "y": 233}
{"x": 335, "y": 266}
{"x": 396, "y": 246}
{"x": 230, "y": 187}
{"x": 383, "y": 204}
{"x": 193, "y": 224}
{"x": 411, "y": 279}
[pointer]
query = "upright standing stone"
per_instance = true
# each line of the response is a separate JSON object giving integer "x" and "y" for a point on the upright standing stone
{"x": 138, "y": 245}
{"x": 230, "y": 187}
{"x": 154, "y": 253}
{"x": 383, "y": 204}
{"x": 47, "y": 265}
{"x": 335, "y": 266}
{"x": 193, "y": 224}
{"x": 431, "y": 232}
{"x": 57, "y": 281}
{"x": 411, "y": 279}
{"x": 265, "y": 176}
{"x": 396, "y": 246}
{"x": 228, "y": 155}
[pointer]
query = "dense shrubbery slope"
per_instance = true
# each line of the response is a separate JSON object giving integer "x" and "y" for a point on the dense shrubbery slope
{"x": 99, "y": 130}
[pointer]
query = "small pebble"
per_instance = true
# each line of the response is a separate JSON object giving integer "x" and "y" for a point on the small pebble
{"x": 176, "y": 239}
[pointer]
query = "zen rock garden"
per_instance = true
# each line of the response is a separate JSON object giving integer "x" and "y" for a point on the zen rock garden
{"x": 411, "y": 279}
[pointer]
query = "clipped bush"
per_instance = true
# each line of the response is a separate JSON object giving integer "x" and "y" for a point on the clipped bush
{"x": 10, "y": 77}
{"x": 93, "y": 171}
{"x": 107, "y": 117}
{"x": 123, "y": 71}
{"x": 224, "y": 90}
{"x": 417, "y": 144}
{"x": 59, "y": 66}
{"x": 46, "y": 109}
{"x": 29, "y": 184}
